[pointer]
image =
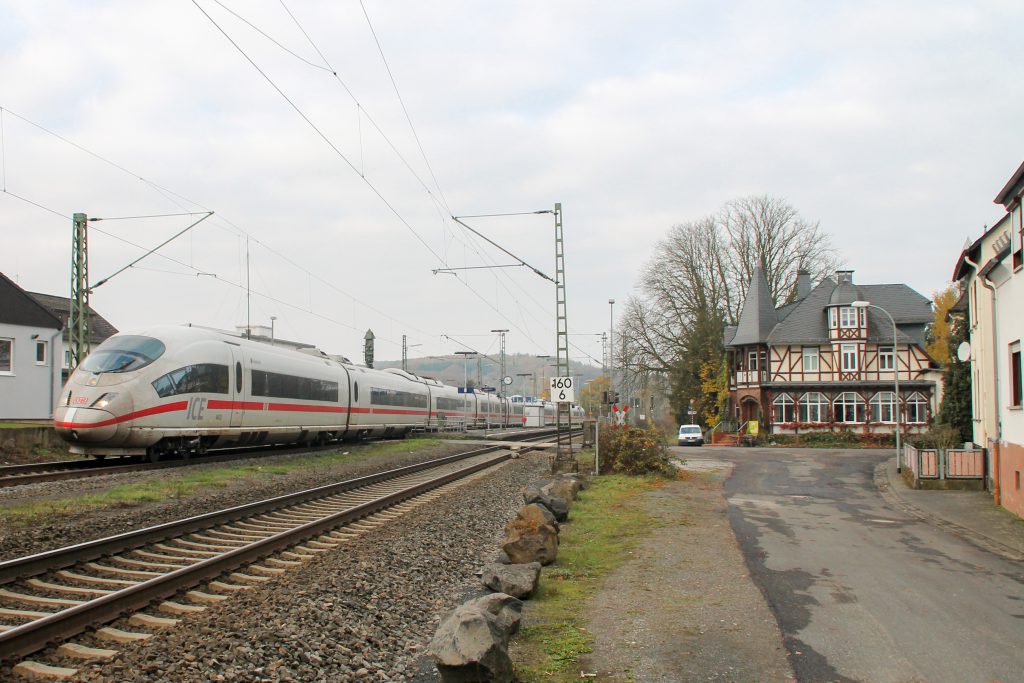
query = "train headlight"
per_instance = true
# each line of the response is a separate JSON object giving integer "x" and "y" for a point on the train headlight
{"x": 104, "y": 400}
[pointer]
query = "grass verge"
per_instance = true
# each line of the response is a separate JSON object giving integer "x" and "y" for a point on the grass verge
{"x": 606, "y": 523}
{"x": 187, "y": 481}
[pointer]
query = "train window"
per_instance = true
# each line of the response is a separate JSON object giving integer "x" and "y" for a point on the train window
{"x": 238, "y": 377}
{"x": 356, "y": 392}
{"x": 277, "y": 385}
{"x": 204, "y": 378}
{"x": 123, "y": 353}
{"x": 393, "y": 397}
{"x": 456, "y": 404}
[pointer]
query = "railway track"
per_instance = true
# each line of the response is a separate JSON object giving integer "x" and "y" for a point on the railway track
{"x": 34, "y": 473}
{"x": 182, "y": 567}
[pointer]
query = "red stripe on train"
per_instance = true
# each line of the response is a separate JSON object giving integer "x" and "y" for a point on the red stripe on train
{"x": 155, "y": 410}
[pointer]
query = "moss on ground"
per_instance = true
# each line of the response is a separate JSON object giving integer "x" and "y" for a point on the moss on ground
{"x": 606, "y": 524}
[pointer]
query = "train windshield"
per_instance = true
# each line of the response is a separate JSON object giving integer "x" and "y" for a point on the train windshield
{"x": 123, "y": 354}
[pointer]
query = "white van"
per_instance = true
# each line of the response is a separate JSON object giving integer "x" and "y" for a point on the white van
{"x": 690, "y": 435}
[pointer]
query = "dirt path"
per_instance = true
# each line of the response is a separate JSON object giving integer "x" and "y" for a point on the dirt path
{"x": 685, "y": 608}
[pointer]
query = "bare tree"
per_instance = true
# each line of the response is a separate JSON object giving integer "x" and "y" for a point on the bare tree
{"x": 697, "y": 279}
{"x": 767, "y": 232}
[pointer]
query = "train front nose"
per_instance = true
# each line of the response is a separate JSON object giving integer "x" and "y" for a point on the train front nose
{"x": 84, "y": 425}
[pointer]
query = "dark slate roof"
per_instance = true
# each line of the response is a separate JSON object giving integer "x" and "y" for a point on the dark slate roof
{"x": 99, "y": 328}
{"x": 17, "y": 307}
{"x": 806, "y": 321}
{"x": 758, "y": 317}
{"x": 729, "y": 334}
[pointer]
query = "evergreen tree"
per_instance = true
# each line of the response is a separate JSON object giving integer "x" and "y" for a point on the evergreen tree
{"x": 956, "y": 380}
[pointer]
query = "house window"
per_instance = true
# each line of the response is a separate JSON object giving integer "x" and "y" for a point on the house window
{"x": 886, "y": 358}
{"x": 917, "y": 409}
{"x": 6, "y": 356}
{"x": 883, "y": 407}
{"x": 849, "y": 357}
{"x": 67, "y": 358}
{"x": 848, "y": 317}
{"x": 751, "y": 360}
{"x": 1016, "y": 390}
{"x": 40, "y": 353}
{"x": 813, "y": 407}
{"x": 810, "y": 359}
{"x": 832, "y": 319}
{"x": 849, "y": 408}
{"x": 783, "y": 409}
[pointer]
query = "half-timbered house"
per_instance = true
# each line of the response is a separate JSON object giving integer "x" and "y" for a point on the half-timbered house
{"x": 820, "y": 362}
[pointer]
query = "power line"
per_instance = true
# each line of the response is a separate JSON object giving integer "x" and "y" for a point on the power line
{"x": 319, "y": 132}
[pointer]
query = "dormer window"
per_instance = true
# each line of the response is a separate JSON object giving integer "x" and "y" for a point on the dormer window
{"x": 847, "y": 317}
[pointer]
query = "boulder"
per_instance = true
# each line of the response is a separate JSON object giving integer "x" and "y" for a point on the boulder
{"x": 471, "y": 644}
{"x": 517, "y": 580}
{"x": 526, "y": 541}
{"x": 563, "y": 487}
{"x": 537, "y": 514}
{"x": 506, "y": 609}
{"x": 559, "y": 506}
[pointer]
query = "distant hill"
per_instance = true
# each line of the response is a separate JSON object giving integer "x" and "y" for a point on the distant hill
{"x": 450, "y": 370}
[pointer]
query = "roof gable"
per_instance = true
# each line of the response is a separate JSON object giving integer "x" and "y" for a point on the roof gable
{"x": 17, "y": 307}
{"x": 758, "y": 316}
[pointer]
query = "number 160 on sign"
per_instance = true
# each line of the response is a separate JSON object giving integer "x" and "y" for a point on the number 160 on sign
{"x": 562, "y": 390}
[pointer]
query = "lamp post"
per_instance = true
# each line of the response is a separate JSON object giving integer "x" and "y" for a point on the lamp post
{"x": 895, "y": 374}
{"x": 524, "y": 374}
{"x": 272, "y": 319}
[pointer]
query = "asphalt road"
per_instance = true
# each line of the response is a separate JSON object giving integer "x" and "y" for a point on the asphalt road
{"x": 863, "y": 592}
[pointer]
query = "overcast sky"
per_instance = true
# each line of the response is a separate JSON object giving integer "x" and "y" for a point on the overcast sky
{"x": 892, "y": 123}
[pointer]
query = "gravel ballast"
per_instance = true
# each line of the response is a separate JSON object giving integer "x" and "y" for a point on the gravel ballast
{"x": 56, "y": 531}
{"x": 361, "y": 613}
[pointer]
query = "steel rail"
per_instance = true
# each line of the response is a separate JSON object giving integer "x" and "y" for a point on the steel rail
{"x": 32, "y": 565}
{"x": 36, "y": 635}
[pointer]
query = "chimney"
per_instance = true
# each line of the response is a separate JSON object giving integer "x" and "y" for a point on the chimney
{"x": 803, "y": 284}
{"x": 844, "y": 276}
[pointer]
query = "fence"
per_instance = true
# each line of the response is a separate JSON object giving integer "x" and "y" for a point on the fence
{"x": 952, "y": 463}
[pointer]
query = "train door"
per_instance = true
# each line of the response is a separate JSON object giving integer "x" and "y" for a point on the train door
{"x": 239, "y": 386}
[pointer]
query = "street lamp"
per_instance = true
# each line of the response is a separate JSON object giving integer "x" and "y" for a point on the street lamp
{"x": 895, "y": 374}
{"x": 525, "y": 374}
{"x": 272, "y": 319}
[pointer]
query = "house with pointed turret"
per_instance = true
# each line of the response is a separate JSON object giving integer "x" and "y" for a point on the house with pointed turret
{"x": 828, "y": 359}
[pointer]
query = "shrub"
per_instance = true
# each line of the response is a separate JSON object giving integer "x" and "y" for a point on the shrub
{"x": 941, "y": 436}
{"x": 632, "y": 450}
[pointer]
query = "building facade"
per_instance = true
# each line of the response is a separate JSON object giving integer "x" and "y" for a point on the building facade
{"x": 30, "y": 355}
{"x": 992, "y": 273}
{"x": 825, "y": 361}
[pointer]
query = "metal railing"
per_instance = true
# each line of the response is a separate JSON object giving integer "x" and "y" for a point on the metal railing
{"x": 951, "y": 463}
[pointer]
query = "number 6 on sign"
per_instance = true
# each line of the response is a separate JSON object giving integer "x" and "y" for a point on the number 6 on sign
{"x": 562, "y": 390}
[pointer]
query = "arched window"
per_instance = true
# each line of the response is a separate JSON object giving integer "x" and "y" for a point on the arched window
{"x": 917, "y": 409}
{"x": 849, "y": 408}
{"x": 883, "y": 407}
{"x": 813, "y": 407}
{"x": 783, "y": 409}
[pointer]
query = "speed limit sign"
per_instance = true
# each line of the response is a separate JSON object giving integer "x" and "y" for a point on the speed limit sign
{"x": 562, "y": 390}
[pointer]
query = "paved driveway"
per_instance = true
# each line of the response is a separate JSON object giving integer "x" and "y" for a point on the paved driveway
{"x": 862, "y": 591}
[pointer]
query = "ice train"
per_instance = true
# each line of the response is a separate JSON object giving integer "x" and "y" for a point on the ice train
{"x": 188, "y": 389}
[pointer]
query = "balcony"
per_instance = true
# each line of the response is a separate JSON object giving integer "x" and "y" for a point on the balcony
{"x": 749, "y": 377}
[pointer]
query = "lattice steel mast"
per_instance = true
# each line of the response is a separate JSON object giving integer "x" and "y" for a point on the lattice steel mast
{"x": 78, "y": 313}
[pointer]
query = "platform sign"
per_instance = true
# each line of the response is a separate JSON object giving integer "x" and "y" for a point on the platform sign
{"x": 562, "y": 390}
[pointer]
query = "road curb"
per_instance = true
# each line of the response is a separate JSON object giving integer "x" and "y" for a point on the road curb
{"x": 889, "y": 492}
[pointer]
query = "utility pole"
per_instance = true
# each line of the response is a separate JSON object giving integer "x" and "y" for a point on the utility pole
{"x": 405, "y": 356}
{"x": 501, "y": 390}
{"x": 78, "y": 313}
{"x": 564, "y": 461}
